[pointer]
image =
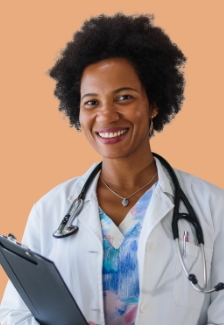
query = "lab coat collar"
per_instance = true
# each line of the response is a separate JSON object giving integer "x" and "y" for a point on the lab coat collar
{"x": 164, "y": 179}
{"x": 164, "y": 183}
{"x": 157, "y": 211}
{"x": 91, "y": 193}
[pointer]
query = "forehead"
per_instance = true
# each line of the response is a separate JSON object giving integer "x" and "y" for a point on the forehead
{"x": 111, "y": 74}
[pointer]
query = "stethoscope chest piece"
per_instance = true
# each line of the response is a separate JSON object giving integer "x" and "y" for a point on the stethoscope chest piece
{"x": 66, "y": 229}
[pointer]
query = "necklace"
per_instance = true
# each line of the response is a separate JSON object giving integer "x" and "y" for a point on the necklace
{"x": 125, "y": 200}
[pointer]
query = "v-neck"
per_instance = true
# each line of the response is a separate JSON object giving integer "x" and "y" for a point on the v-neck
{"x": 116, "y": 235}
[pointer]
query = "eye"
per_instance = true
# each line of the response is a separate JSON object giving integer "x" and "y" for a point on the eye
{"x": 124, "y": 97}
{"x": 91, "y": 102}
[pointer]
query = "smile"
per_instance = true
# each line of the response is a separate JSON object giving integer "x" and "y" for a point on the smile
{"x": 112, "y": 134}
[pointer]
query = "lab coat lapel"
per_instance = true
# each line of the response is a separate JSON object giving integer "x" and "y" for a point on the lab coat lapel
{"x": 160, "y": 205}
{"x": 89, "y": 215}
{"x": 90, "y": 218}
{"x": 161, "y": 202}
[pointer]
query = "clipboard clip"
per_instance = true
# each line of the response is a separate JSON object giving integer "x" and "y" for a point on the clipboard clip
{"x": 13, "y": 239}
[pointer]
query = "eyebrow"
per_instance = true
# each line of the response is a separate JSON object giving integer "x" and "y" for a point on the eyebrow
{"x": 114, "y": 92}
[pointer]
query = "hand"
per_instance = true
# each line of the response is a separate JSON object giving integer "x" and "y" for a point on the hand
{"x": 91, "y": 323}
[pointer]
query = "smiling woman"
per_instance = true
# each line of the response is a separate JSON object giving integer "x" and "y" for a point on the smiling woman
{"x": 114, "y": 109}
{"x": 120, "y": 80}
{"x": 117, "y": 103}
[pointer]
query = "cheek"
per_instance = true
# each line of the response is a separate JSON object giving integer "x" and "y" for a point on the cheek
{"x": 141, "y": 116}
{"x": 81, "y": 117}
{"x": 84, "y": 120}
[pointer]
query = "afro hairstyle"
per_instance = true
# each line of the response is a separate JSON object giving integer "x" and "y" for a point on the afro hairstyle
{"x": 157, "y": 61}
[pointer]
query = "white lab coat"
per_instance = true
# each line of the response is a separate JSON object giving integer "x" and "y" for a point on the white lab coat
{"x": 166, "y": 296}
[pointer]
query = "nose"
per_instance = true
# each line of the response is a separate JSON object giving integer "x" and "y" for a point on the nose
{"x": 107, "y": 114}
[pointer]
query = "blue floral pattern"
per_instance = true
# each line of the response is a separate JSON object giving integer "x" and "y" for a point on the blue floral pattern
{"x": 120, "y": 264}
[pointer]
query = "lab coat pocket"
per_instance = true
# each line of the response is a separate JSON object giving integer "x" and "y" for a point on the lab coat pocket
{"x": 184, "y": 294}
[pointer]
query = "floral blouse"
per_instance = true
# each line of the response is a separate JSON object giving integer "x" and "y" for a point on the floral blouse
{"x": 120, "y": 264}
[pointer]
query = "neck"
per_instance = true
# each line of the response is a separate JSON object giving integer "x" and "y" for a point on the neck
{"x": 129, "y": 172}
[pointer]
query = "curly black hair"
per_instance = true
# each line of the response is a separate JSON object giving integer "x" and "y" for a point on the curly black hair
{"x": 156, "y": 60}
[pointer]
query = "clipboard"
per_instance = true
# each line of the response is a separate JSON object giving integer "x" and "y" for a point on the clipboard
{"x": 39, "y": 284}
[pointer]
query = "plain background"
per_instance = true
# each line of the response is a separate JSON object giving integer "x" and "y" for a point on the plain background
{"x": 38, "y": 148}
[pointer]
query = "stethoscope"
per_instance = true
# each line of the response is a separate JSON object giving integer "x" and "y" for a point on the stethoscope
{"x": 67, "y": 229}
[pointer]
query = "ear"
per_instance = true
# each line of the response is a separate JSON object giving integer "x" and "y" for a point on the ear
{"x": 154, "y": 110}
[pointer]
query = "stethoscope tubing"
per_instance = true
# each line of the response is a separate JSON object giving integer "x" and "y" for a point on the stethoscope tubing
{"x": 66, "y": 228}
{"x": 195, "y": 286}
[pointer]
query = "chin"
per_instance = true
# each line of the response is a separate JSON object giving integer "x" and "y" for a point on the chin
{"x": 113, "y": 155}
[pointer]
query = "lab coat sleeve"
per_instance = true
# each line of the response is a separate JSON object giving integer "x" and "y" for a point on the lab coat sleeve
{"x": 215, "y": 313}
{"x": 13, "y": 310}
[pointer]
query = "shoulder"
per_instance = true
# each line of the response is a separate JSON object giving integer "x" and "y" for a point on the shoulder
{"x": 65, "y": 190}
{"x": 207, "y": 201}
{"x": 200, "y": 187}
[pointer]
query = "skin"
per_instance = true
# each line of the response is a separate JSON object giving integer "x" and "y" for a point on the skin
{"x": 112, "y": 96}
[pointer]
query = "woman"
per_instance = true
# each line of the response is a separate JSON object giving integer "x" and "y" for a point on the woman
{"x": 118, "y": 81}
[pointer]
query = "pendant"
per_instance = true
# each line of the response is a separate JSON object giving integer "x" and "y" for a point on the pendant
{"x": 125, "y": 202}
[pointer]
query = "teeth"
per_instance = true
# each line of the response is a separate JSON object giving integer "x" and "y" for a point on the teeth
{"x": 111, "y": 134}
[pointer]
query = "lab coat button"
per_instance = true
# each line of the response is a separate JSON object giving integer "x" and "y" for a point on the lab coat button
{"x": 150, "y": 246}
{"x": 144, "y": 307}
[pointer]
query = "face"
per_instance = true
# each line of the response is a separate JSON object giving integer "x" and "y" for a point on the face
{"x": 114, "y": 109}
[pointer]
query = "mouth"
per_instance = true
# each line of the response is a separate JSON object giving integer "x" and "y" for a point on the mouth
{"x": 109, "y": 135}
{"x": 113, "y": 137}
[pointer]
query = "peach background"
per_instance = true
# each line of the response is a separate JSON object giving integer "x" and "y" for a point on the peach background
{"x": 39, "y": 150}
